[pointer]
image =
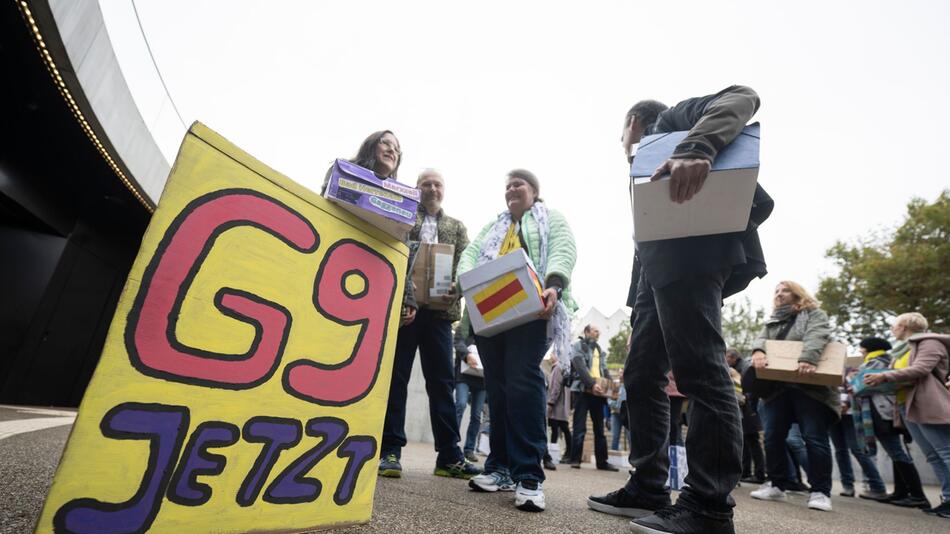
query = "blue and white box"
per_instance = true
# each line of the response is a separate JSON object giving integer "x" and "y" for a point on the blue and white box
{"x": 721, "y": 206}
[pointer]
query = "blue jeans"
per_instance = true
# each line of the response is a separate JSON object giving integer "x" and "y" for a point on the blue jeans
{"x": 680, "y": 326}
{"x": 846, "y": 445}
{"x": 798, "y": 453}
{"x": 433, "y": 338}
{"x": 790, "y": 406}
{"x": 516, "y": 400}
{"x": 464, "y": 391}
{"x": 934, "y": 442}
{"x": 616, "y": 428}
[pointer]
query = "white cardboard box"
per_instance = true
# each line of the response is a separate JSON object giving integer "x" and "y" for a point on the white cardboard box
{"x": 721, "y": 206}
{"x": 502, "y": 294}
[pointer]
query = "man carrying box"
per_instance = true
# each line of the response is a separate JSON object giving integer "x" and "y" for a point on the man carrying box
{"x": 590, "y": 367}
{"x": 431, "y": 333}
{"x": 677, "y": 300}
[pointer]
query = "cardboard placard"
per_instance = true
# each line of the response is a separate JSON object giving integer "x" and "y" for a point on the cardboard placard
{"x": 432, "y": 275}
{"x": 783, "y": 363}
{"x": 721, "y": 206}
{"x": 245, "y": 376}
{"x": 386, "y": 204}
{"x": 502, "y": 294}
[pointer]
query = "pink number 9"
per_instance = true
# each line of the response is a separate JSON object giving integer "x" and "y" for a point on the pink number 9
{"x": 351, "y": 380}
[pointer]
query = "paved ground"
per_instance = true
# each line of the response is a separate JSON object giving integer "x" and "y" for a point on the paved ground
{"x": 421, "y": 502}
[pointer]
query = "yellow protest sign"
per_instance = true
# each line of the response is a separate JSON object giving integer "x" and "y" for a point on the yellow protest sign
{"x": 244, "y": 379}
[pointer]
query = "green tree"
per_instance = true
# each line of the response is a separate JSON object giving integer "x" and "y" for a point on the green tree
{"x": 892, "y": 273}
{"x": 617, "y": 346}
{"x": 741, "y": 323}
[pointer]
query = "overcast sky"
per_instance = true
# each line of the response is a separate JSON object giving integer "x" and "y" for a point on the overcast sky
{"x": 854, "y": 98}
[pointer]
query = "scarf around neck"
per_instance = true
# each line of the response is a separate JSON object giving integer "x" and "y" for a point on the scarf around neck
{"x": 559, "y": 326}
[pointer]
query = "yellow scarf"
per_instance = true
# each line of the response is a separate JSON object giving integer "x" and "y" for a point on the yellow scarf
{"x": 595, "y": 364}
{"x": 872, "y": 355}
{"x": 901, "y": 363}
{"x": 512, "y": 240}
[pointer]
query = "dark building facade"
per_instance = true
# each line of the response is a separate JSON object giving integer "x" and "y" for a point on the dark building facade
{"x": 69, "y": 226}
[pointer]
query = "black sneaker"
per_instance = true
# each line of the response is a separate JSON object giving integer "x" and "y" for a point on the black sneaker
{"x": 470, "y": 456}
{"x": 607, "y": 467}
{"x": 621, "y": 502}
{"x": 912, "y": 502}
{"x": 942, "y": 510}
{"x": 549, "y": 464}
{"x": 463, "y": 469}
{"x": 678, "y": 520}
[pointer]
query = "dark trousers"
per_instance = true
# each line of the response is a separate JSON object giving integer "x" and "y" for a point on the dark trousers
{"x": 585, "y": 403}
{"x": 752, "y": 454}
{"x": 680, "y": 325}
{"x": 814, "y": 418}
{"x": 433, "y": 338}
{"x": 846, "y": 444}
{"x": 516, "y": 400}
{"x": 558, "y": 425}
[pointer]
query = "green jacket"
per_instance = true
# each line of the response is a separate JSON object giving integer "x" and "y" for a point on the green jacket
{"x": 814, "y": 331}
{"x": 562, "y": 252}
{"x": 451, "y": 232}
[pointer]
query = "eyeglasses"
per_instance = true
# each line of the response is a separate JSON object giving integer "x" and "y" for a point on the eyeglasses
{"x": 391, "y": 145}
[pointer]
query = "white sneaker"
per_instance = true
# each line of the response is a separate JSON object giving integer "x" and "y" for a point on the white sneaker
{"x": 819, "y": 501}
{"x": 769, "y": 493}
{"x": 491, "y": 482}
{"x": 529, "y": 496}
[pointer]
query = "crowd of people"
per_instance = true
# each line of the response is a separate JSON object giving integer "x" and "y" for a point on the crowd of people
{"x": 676, "y": 356}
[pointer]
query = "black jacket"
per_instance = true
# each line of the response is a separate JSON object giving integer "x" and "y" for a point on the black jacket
{"x": 713, "y": 122}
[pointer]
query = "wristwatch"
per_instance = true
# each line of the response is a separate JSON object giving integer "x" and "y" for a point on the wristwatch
{"x": 558, "y": 291}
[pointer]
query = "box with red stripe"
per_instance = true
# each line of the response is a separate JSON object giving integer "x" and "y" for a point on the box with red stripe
{"x": 502, "y": 294}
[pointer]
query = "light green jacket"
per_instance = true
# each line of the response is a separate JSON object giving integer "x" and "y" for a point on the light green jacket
{"x": 562, "y": 252}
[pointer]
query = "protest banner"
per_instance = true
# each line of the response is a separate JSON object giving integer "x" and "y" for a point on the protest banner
{"x": 244, "y": 378}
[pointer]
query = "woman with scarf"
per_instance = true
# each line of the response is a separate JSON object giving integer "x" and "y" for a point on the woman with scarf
{"x": 919, "y": 368}
{"x": 853, "y": 435}
{"x": 796, "y": 317}
{"x": 873, "y": 414}
{"x": 513, "y": 378}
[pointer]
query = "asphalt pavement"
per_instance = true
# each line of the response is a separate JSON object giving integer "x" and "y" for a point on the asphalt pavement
{"x": 422, "y": 502}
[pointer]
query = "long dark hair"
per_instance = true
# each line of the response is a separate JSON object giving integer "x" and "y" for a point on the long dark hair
{"x": 366, "y": 155}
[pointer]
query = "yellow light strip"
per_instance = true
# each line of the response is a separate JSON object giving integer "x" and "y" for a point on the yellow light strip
{"x": 74, "y": 107}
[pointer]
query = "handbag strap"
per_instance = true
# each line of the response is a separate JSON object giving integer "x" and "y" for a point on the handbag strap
{"x": 786, "y": 328}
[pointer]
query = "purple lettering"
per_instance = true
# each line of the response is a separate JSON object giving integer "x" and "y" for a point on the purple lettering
{"x": 184, "y": 488}
{"x": 292, "y": 486}
{"x": 277, "y": 434}
{"x": 359, "y": 450}
{"x": 165, "y": 428}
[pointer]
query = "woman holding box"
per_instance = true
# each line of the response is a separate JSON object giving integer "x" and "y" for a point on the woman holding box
{"x": 796, "y": 317}
{"x": 380, "y": 153}
{"x": 923, "y": 403}
{"x": 513, "y": 378}
{"x": 874, "y": 418}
